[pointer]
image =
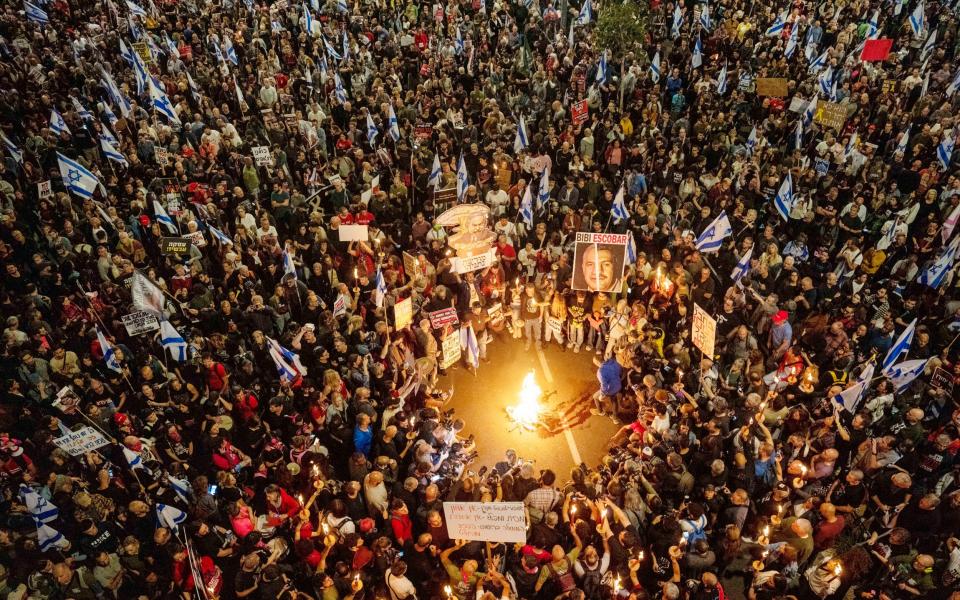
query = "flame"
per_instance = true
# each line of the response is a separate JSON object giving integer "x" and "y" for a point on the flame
{"x": 527, "y": 413}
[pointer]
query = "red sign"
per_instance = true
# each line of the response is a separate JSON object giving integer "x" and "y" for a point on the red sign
{"x": 579, "y": 112}
{"x": 423, "y": 131}
{"x": 186, "y": 51}
{"x": 441, "y": 318}
{"x": 876, "y": 50}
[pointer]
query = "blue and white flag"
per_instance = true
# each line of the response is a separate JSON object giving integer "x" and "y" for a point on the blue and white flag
{"x": 712, "y": 237}
{"x": 393, "y": 125}
{"x": 372, "y": 131}
{"x": 11, "y": 149}
{"x": 705, "y": 17}
{"x": 631, "y": 249}
{"x": 134, "y": 460}
{"x": 677, "y": 21}
{"x": 308, "y": 20}
{"x": 221, "y": 237}
{"x": 140, "y": 74}
{"x": 810, "y": 111}
{"x": 35, "y": 13}
{"x": 825, "y": 80}
{"x": 945, "y": 151}
{"x": 851, "y": 146}
{"x": 526, "y": 207}
{"x": 899, "y": 348}
{"x": 108, "y": 351}
{"x": 111, "y": 151}
{"x": 953, "y": 86}
{"x": 380, "y": 289}
{"x": 850, "y": 398}
{"x": 783, "y": 201}
{"x": 57, "y": 124}
{"x": 331, "y": 50}
{"x": 180, "y": 487}
{"x": 345, "y": 44}
{"x": 778, "y": 25}
{"x": 722, "y": 80}
{"x": 873, "y": 25}
{"x": 136, "y": 10}
{"x": 903, "y": 374}
{"x": 820, "y": 61}
{"x": 172, "y": 341}
{"x": 655, "y": 68}
{"x": 338, "y": 91}
{"x": 696, "y": 59}
{"x": 520, "y": 140}
{"x": 903, "y": 141}
{"x": 82, "y": 110}
{"x": 570, "y": 40}
{"x": 194, "y": 88}
{"x": 49, "y": 538}
{"x": 798, "y": 134}
{"x": 116, "y": 96}
{"x": 463, "y": 180}
{"x": 586, "y": 13}
{"x": 291, "y": 358}
{"x": 458, "y": 43}
{"x": 77, "y": 178}
{"x": 41, "y": 510}
{"x": 342, "y": 6}
{"x": 543, "y": 193}
{"x": 172, "y": 48}
{"x": 468, "y": 342}
{"x": 170, "y": 516}
{"x": 218, "y": 53}
{"x": 160, "y": 102}
{"x": 791, "y": 42}
{"x": 435, "y": 172}
{"x": 163, "y": 218}
{"x": 602, "y": 68}
{"x": 742, "y": 267}
{"x": 934, "y": 275}
{"x": 285, "y": 370}
{"x": 917, "y": 22}
{"x": 752, "y": 141}
{"x": 231, "y": 52}
{"x": 618, "y": 209}
{"x": 288, "y": 267}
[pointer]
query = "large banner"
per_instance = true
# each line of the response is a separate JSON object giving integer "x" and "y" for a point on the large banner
{"x": 704, "y": 331}
{"x": 598, "y": 261}
{"x": 486, "y": 521}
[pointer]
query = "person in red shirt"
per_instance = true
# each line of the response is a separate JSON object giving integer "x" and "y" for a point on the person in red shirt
{"x": 245, "y": 403}
{"x": 281, "y": 506}
{"x": 507, "y": 254}
{"x": 217, "y": 375}
{"x": 400, "y": 522}
{"x": 829, "y": 528}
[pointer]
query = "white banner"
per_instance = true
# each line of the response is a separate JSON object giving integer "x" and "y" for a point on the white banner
{"x": 140, "y": 322}
{"x": 353, "y": 233}
{"x": 486, "y": 521}
{"x": 473, "y": 263}
{"x": 44, "y": 190}
{"x": 451, "y": 349}
{"x": 77, "y": 443}
{"x": 704, "y": 334}
{"x": 146, "y": 295}
{"x": 261, "y": 155}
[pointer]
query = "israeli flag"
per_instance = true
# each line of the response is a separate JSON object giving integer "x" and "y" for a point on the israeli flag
{"x": 15, "y": 153}
{"x": 49, "y": 538}
{"x": 42, "y": 510}
{"x": 917, "y": 20}
{"x": 136, "y": 10}
{"x": 231, "y": 53}
{"x": 194, "y": 88}
{"x": 218, "y": 53}
{"x": 180, "y": 487}
{"x": 291, "y": 358}
{"x": 81, "y": 109}
{"x": 342, "y": 6}
{"x": 331, "y": 50}
{"x": 602, "y": 69}
{"x": 111, "y": 152}
{"x": 619, "y": 209}
{"x": 140, "y": 74}
{"x": 163, "y": 218}
{"x": 380, "y": 291}
{"x": 783, "y": 201}
{"x": 954, "y": 84}
{"x": 934, "y": 275}
{"x": 778, "y": 25}
{"x": 116, "y": 96}
{"x": 520, "y": 141}
{"x": 742, "y": 267}
{"x": 791, "y": 43}
{"x": 172, "y": 341}
{"x": 904, "y": 140}
{"x": 825, "y": 79}
{"x": 900, "y": 348}
{"x": 752, "y": 140}
{"x": 308, "y": 20}
{"x": 543, "y": 194}
{"x": 288, "y": 267}
{"x": 170, "y": 516}
{"x": 220, "y": 236}
{"x": 705, "y": 17}
{"x": 134, "y": 460}
{"x": 393, "y": 126}
{"x": 873, "y": 25}
{"x": 435, "y": 172}
{"x": 950, "y": 224}
{"x": 945, "y": 151}
{"x": 162, "y": 103}
{"x": 238, "y": 92}
{"x": 57, "y": 124}
{"x": 904, "y": 373}
{"x": 722, "y": 80}
{"x": 712, "y": 237}
{"x": 346, "y": 45}
{"x": 372, "y": 131}
{"x": 526, "y": 207}
{"x": 851, "y": 397}
{"x": 35, "y": 13}
{"x": 696, "y": 60}
{"x": 171, "y": 46}
{"x": 458, "y": 43}
{"x": 851, "y": 146}
{"x": 284, "y": 369}
{"x": 586, "y": 13}
{"x": 468, "y": 341}
{"x": 463, "y": 180}
{"x": 798, "y": 136}
{"x": 820, "y": 61}
{"x": 76, "y": 177}
{"x": 109, "y": 354}
{"x": 655, "y": 68}
{"x": 338, "y": 91}
{"x": 810, "y": 111}
{"x": 677, "y": 21}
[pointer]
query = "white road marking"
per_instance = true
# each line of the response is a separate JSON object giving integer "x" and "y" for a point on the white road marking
{"x": 571, "y": 443}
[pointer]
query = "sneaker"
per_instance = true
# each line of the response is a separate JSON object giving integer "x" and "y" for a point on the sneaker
{"x": 576, "y": 349}
{"x": 570, "y": 345}
{"x": 596, "y": 412}
{"x": 588, "y": 347}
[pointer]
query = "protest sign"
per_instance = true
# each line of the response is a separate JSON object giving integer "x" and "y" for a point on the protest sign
{"x": 196, "y": 238}
{"x": 353, "y": 233}
{"x": 821, "y": 166}
{"x": 403, "y": 313}
{"x": 78, "y": 443}
{"x": 67, "y": 400}
{"x": 162, "y": 156}
{"x": 495, "y": 312}
{"x": 410, "y": 266}
{"x": 556, "y": 328}
{"x": 143, "y": 50}
{"x": 473, "y": 263}
{"x": 831, "y": 114}
{"x": 140, "y": 322}
{"x": 772, "y": 86}
{"x": 504, "y": 522}
{"x": 579, "y": 112}
{"x": 443, "y": 317}
{"x": 175, "y": 245}
{"x": 704, "y": 334}
{"x": 423, "y": 131}
{"x": 942, "y": 380}
{"x": 261, "y": 155}
{"x": 44, "y": 190}
{"x": 876, "y": 50}
{"x": 598, "y": 262}
{"x": 451, "y": 349}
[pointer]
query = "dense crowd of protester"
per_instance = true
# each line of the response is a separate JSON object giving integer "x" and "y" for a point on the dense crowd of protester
{"x": 278, "y": 438}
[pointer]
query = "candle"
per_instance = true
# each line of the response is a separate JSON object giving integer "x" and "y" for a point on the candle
{"x": 573, "y": 509}
{"x": 616, "y": 585}
{"x": 300, "y": 498}
{"x": 640, "y": 555}
{"x": 766, "y": 531}
{"x": 448, "y": 591}
{"x": 355, "y": 273}
{"x": 326, "y": 529}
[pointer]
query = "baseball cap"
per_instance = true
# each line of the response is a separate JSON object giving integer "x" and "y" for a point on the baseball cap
{"x": 780, "y": 317}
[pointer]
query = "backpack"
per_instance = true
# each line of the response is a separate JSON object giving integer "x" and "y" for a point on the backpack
{"x": 592, "y": 584}
{"x": 565, "y": 580}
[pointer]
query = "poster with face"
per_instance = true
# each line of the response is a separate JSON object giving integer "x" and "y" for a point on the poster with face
{"x": 598, "y": 261}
